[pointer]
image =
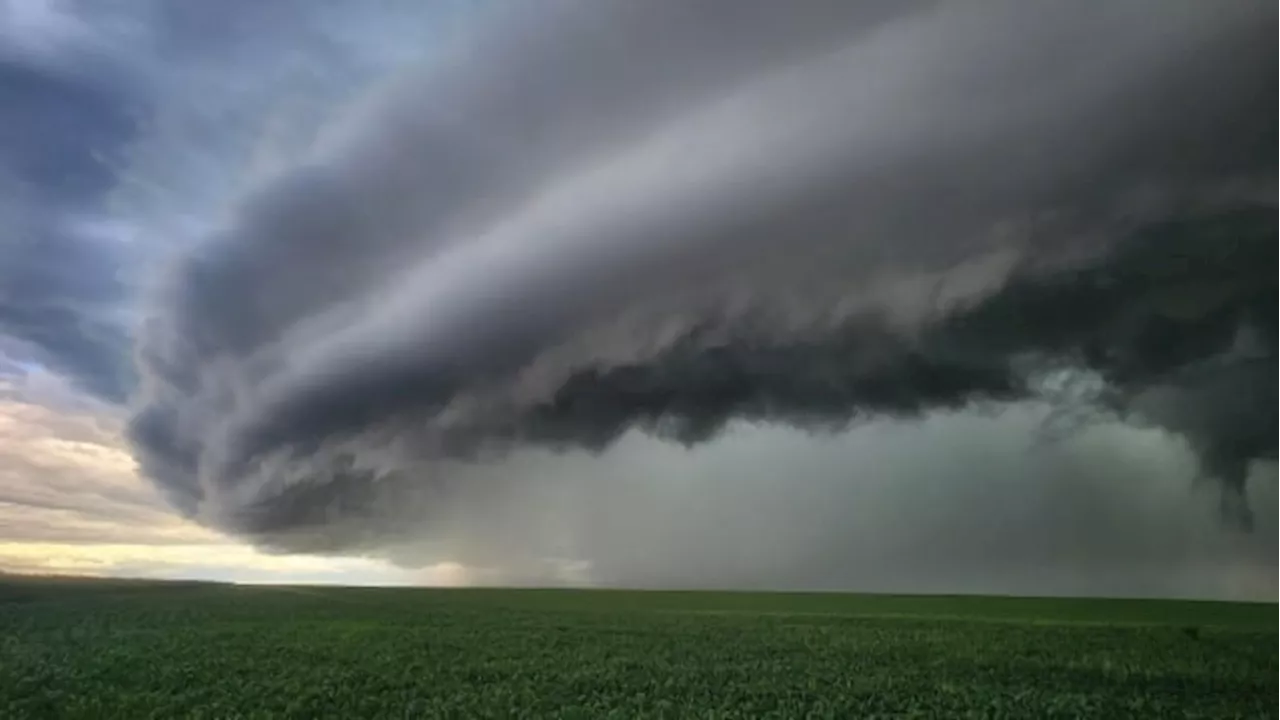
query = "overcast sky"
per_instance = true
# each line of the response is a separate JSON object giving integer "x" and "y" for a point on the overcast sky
{"x": 127, "y": 127}
{"x": 816, "y": 295}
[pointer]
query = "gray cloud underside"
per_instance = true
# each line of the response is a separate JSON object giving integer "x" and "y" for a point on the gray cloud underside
{"x": 672, "y": 215}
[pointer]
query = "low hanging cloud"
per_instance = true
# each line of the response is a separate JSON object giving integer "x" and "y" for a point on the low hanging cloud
{"x": 71, "y": 502}
{"x": 674, "y": 218}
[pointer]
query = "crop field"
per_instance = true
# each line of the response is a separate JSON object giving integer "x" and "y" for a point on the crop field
{"x": 107, "y": 649}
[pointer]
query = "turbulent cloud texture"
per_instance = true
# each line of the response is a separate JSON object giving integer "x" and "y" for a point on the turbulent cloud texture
{"x": 677, "y": 217}
{"x": 71, "y": 502}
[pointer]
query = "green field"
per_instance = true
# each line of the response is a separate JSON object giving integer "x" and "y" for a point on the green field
{"x": 90, "y": 649}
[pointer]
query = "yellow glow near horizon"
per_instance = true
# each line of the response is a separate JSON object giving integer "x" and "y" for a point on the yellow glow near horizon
{"x": 229, "y": 561}
{"x": 72, "y": 503}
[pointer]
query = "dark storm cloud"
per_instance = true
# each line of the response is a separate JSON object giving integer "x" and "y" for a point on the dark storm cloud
{"x": 82, "y": 84}
{"x": 60, "y": 281}
{"x": 672, "y": 215}
{"x": 56, "y": 129}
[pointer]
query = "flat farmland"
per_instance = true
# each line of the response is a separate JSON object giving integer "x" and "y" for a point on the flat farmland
{"x": 126, "y": 649}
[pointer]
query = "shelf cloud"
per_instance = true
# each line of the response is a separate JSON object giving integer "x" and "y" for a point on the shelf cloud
{"x": 603, "y": 225}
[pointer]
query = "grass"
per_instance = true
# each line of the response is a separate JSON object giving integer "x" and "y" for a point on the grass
{"x": 101, "y": 650}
